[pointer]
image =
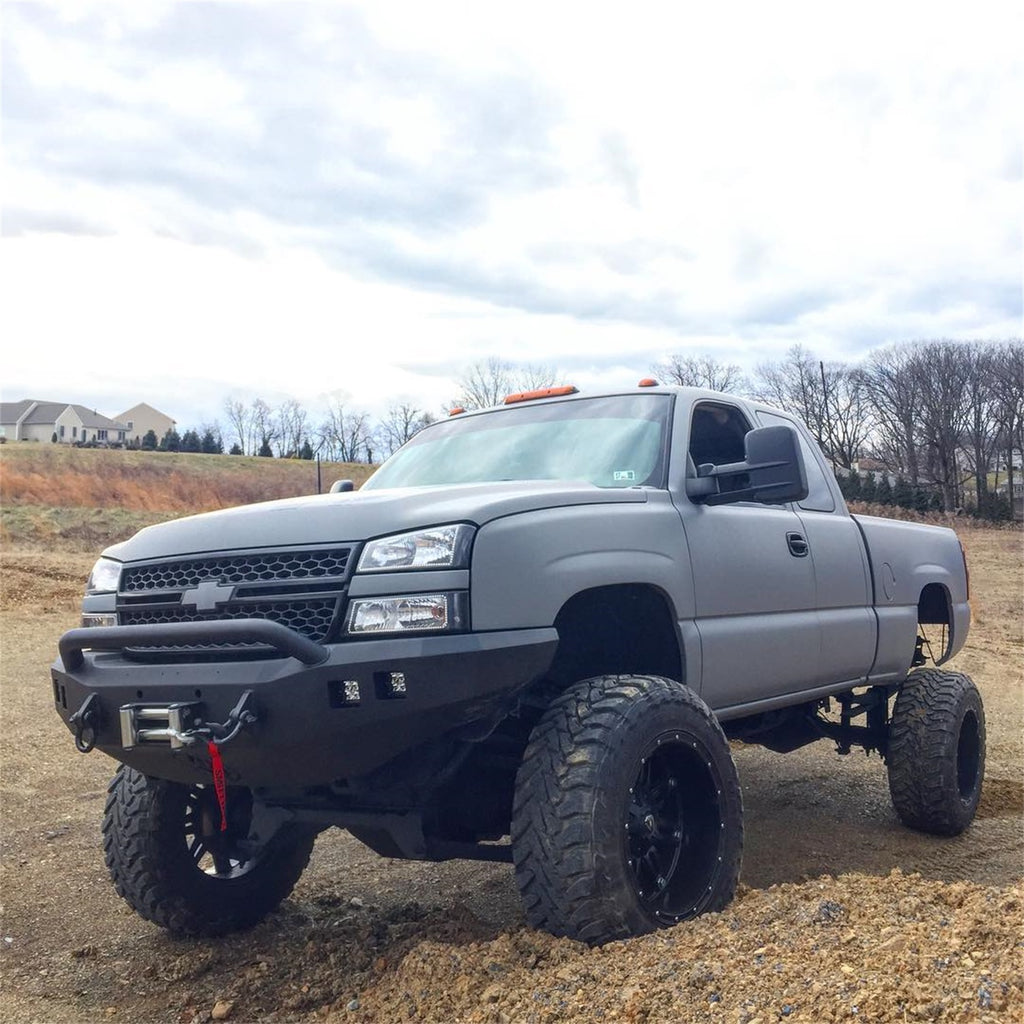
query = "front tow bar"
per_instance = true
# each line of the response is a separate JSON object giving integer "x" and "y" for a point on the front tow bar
{"x": 232, "y": 631}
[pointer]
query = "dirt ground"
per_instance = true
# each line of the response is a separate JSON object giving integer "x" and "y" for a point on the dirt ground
{"x": 842, "y": 914}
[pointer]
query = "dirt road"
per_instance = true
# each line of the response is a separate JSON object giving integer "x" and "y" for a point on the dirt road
{"x": 913, "y": 927}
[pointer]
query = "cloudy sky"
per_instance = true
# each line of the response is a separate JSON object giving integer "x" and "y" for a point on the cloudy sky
{"x": 362, "y": 199}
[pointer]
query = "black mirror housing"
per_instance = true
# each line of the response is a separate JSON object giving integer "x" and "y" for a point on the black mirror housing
{"x": 773, "y": 465}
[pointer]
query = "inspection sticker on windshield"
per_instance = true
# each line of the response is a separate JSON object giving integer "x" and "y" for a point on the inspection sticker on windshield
{"x": 623, "y": 474}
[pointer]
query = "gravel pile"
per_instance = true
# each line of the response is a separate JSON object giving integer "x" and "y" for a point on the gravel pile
{"x": 897, "y": 948}
{"x": 875, "y": 949}
{"x": 349, "y": 946}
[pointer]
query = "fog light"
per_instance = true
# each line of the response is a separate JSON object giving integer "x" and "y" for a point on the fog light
{"x": 389, "y": 685}
{"x": 350, "y": 690}
{"x": 99, "y": 619}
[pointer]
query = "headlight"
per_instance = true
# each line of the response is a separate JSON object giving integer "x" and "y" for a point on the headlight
{"x": 409, "y": 613}
{"x": 104, "y": 578}
{"x": 443, "y": 547}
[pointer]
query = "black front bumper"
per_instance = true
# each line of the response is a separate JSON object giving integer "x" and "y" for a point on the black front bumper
{"x": 309, "y": 730}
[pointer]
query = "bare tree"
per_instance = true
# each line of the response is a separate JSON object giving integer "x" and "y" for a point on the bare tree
{"x": 700, "y": 372}
{"x": 240, "y": 418}
{"x": 1008, "y": 386}
{"x": 794, "y": 384}
{"x": 264, "y": 426}
{"x": 848, "y": 415}
{"x": 828, "y": 397}
{"x": 983, "y": 434}
{"x": 891, "y": 381}
{"x": 401, "y": 422}
{"x": 291, "y": 420}
{"x": 487, "y": 382}
{"x": 346, "y": 436}
{"x": 944, "y": 369}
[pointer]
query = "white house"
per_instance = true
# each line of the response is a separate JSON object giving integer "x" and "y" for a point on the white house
{"x": 32, "y": 420}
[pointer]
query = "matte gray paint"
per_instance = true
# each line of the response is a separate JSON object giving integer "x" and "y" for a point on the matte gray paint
{"x": 412, "y": 581}
{"x": 918, "y": 555}
{"x": 759, "y": 627}
{"x": 526, "y": 567}
{"x": 755, "y": 606}
{"x": 357, "y": 516}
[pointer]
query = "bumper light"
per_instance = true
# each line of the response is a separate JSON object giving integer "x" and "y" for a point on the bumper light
{"x": 99, "y": 619}
{"x": 411, "y": 613}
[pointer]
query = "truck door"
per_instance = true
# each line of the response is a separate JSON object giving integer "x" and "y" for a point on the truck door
{"x": 754, "y": 584}
{"x": 841, "y": 573}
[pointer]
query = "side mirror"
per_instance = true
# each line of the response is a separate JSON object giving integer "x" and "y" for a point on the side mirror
{"x": 342, "y": 485}
{"x": 774, "y": 468}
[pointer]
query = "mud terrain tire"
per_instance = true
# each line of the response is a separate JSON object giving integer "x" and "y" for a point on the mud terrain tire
{"x": 627, "y": 814}
{"x": 936, "y": 754}
{"x": 170, "y": 861}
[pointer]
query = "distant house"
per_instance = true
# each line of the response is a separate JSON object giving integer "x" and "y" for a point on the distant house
{"x": 866, "y": 467}
{"x": 33, "y": 420}
{"x": 1002, "y": 481}
{"x": 142, "y": 418}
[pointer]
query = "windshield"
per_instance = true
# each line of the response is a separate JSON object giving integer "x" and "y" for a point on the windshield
{"x": 611, "y": 442}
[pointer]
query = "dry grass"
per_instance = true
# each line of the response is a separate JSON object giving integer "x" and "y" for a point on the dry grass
{"x": 82, "y": 499}
{"x": 950, "y": 519}
{"x": 39, "y": 474}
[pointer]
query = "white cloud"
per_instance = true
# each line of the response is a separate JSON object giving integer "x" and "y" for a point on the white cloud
{"x": 374, "y": 195}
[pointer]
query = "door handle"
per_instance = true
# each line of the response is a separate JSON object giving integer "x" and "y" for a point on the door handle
{"x": 798, "y": 546}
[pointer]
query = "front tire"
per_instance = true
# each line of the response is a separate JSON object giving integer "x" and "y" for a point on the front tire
{"x": 627, "y": 815}
{"x": 171, "y": 862}
{"x": 936, "y": 754}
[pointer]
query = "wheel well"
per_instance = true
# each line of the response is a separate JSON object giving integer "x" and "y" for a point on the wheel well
{"x": 625, "y": 629}
{"x": 933, "y": 606}
{"x": 629, "y": 629}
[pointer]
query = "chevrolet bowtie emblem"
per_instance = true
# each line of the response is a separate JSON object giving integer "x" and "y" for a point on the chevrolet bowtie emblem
{"x": 209, "y": 595}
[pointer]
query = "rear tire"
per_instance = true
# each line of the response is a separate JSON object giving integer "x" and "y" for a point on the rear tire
{"x": 170, "y": 861}
{"x": 627, "y": 815}
{"x": 936, "y": 754}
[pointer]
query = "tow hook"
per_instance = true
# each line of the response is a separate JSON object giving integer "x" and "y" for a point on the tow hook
{"x": 86, "y": 721}
{"x": 241, "y": 715}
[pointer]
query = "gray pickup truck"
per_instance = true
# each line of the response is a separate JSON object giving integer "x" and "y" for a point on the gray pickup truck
{"x": 542, "y": 621}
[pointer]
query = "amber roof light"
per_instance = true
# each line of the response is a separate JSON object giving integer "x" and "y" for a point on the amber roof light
{"x": 529, "y": 396}
{"x": 648, "y": 382}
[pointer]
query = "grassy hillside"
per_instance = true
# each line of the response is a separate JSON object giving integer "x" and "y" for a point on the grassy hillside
{"x": 82, "y": 498}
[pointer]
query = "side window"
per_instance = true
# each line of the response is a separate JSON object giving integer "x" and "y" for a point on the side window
{"x": 819, "y": 495}
{"x": 716, "y": 436}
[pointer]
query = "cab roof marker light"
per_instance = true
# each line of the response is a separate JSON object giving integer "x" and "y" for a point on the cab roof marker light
{"x": 457, "y": 411}
{"x": 529, "y": 396}
{"x": 648, "y": 382}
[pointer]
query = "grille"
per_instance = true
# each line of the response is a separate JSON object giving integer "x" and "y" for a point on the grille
{"x": 256, "y": 568}
{"x": 300, "y": 589}
{"x": 312, "y": 618}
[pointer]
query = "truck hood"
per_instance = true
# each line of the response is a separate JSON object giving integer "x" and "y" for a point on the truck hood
{"x": 359, "y": 515}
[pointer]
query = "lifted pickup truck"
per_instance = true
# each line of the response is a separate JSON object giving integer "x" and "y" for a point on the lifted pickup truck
{"x": 542, "y": 621}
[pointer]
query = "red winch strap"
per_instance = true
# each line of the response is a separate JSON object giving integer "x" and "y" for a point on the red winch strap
{"x": 219, "y": 786}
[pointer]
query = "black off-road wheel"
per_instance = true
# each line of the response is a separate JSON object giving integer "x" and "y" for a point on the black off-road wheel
{"x": 936, "y": 754}
{"x": 627, "y": 814}
{"x": 170, "y": 860}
